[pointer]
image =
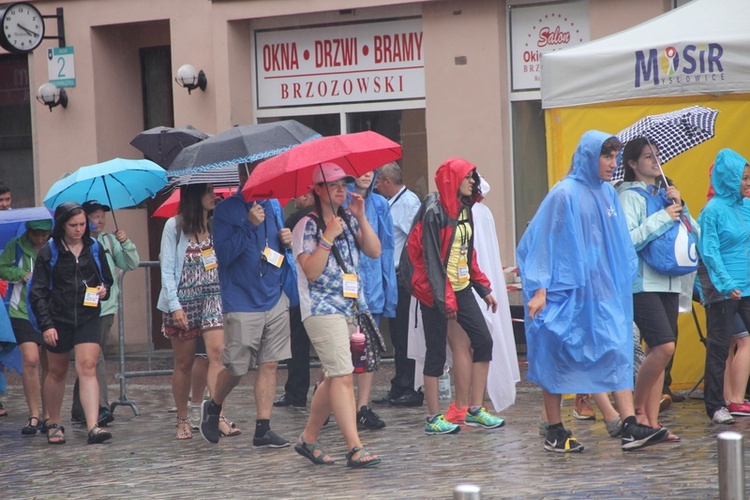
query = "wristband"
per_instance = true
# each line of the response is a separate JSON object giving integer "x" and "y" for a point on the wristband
{"x": 324, "y": 246}
{"x": 324, "y": 240}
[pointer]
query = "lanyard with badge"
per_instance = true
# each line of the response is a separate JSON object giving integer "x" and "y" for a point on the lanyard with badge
{"x": 463, "y": 260}
{"x": 208, "y": 257}
{"x": 268, "y": 254}
{"x": 350, "y": 287}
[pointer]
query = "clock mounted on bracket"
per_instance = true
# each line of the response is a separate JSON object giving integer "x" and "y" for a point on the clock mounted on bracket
{"x": 21, "y": 27}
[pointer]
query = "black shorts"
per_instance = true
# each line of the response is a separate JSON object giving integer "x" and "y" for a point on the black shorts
{"x": 68, "y": 336}
{"x": 24, "y": 332}
{"x": 656, "y": 313}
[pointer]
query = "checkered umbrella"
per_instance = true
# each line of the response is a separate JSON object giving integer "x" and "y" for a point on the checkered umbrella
{"x": 673, "y": 133}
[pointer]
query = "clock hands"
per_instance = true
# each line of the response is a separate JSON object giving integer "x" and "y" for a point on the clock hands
{"x": 28, "y": 31}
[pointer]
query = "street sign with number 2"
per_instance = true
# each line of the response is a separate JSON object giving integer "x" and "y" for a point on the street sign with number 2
{"x": 61, "y": 66}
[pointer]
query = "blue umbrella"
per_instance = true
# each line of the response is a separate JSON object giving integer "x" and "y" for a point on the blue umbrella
{"x": 122, "y": 183}
{"x": 12, "y": 221}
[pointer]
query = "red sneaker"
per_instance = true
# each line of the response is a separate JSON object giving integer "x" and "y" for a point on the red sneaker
{"x": 739, "y": 409}
{"x": 456, "y": 415}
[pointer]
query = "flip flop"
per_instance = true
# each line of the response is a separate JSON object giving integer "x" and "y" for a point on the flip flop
{"x": 308, "y": 451}
{"x": 670, "y": 438}
{"x": 3, "y": 411}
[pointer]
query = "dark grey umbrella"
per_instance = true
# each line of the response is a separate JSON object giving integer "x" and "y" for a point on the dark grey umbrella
{"x": 162, "y": 144}
{"x": 241, "y": 144}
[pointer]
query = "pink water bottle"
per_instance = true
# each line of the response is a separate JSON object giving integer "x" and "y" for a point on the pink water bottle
{"x": 358, "y": 351}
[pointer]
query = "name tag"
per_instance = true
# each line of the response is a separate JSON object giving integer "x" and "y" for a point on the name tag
{"x": 208, "y": 257}
{"x": 463, "y": 271}
{"x": 351, "y": 286}
{"x": 273, "y": 257}
{"x": 91, "y": 297}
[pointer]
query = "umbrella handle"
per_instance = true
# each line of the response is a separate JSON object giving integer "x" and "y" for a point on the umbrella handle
{"x": 109, "y": 199}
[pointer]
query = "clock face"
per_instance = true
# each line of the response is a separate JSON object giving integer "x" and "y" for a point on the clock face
{"x": 22, "y": 27}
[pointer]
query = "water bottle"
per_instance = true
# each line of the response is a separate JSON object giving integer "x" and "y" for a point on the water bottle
{"x": 444, "y": 384}
{"x": 357, "y": 342}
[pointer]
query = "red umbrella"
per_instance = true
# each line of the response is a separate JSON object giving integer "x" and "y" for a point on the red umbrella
{"x": 172, "y": 204}
{"x": 289, "y": 174}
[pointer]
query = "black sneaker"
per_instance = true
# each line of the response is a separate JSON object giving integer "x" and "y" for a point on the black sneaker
{"x": 562, "y": 441}
{"x": 209, "y": 425}
{"x": 78, "y": 418}
{"x": 271, "y": 440}
{"x": 387, "y": 399}
{"x": 105, "y": 417}
{"x": 412, "y": 398}
{"x": 636, "y": 436}
{"x": 285, "y": 400}
{"x": 368, "y": 419}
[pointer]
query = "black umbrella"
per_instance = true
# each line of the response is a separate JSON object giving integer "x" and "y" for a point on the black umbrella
{"x": 241, "y": 144}
{"x": 162, "y": 144}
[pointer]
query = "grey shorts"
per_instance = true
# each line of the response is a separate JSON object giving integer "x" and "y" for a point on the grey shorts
{"x": 739, "y": 330}
{"x": 251, "y": 339}
{"x": 329, "y": 334}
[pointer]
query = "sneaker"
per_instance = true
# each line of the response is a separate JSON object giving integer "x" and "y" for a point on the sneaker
{"x": 439, "y": 425}
{"x": 561, "y": 441}
{"x": 739, "y": 409}
{"x": 456, "y": 415}
{"x": 270, "y": 440}
{"x": 194, "y": 415}
{"x": 636, "y": 436}
{"x": 482, "y": 418}
{"x": 209, "y": 425}
{"x": 368, "y": 419}
{"x": 582, "y": 409}
{"x": 614, "y": 427}
{"x": 78, "y": 418}
{"x": 105, "y": 417}
{"x": 722, "y": 416}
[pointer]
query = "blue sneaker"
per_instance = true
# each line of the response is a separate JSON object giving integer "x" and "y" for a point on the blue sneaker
{"x": 482, "y": 418}
{"x": 439, "y": 425}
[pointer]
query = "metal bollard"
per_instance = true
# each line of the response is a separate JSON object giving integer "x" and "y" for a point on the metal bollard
{"x": 467, "y": 492}
{"x": 731, "y": 466}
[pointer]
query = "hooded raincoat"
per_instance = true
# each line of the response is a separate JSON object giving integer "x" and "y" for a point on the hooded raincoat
{"x": 578, "y": 248}
{"x": 379, "y": 275}
{"x": 724, "y": 245}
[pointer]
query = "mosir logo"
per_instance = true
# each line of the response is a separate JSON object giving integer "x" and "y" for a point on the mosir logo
{"x": 674, "y": 65}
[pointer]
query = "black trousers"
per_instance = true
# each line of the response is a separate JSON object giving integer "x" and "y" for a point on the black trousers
{"x": 403, "y": 380}
{"x": 719, "y": 320}
{"x": 298, "y": 367}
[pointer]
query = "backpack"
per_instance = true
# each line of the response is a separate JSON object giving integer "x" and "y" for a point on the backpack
{"x": 674, "y": 253}
{"x": 55, "y": 252}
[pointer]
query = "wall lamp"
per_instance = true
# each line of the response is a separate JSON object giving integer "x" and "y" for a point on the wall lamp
{"x": 190, "y": 78}
{"x": 49, "y": 95}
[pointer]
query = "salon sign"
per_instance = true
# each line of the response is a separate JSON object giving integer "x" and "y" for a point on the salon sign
{"x": 537, "y": 29}
{"x": 363, "y": 62}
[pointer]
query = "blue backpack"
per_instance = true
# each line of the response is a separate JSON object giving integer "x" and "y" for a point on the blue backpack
{"x": 53, "y": 260}
{"x": 674, "y": 253}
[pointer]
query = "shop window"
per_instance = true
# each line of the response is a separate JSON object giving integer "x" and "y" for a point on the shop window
{"x": 529, "y": 161}
{"x": 16, "y": 149}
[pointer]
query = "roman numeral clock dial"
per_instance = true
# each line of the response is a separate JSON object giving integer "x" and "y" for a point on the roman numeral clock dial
{"x": 21, "y": 27}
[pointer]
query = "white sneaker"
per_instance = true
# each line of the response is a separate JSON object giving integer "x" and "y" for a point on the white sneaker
{"x": 194, "y": 415}
{"x": 722, "y": 416}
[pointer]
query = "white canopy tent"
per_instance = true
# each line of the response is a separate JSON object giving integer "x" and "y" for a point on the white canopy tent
{"x": 702, "y": 47}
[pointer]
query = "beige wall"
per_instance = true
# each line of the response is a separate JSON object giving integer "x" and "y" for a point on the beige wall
{"x": 467, "y": 105}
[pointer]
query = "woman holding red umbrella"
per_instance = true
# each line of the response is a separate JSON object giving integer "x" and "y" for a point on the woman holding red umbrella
{"x": 331, "y": 295}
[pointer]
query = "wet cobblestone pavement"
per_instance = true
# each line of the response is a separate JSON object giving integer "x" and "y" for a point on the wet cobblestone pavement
{"x": 145, "y": 460}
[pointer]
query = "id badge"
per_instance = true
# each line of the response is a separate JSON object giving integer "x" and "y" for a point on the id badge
{"x": 208, "y": 256}
{"x": 463, "y": 271}
{"x": 273, "y": 257}
{"x": 91, "y": 297}
{"x": 351, "y": 286}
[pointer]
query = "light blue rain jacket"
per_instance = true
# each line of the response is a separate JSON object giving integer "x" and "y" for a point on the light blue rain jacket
{"x": 379, "y": 275}
{"x": 724, "y": 245}
{"x": 578, "y": 248}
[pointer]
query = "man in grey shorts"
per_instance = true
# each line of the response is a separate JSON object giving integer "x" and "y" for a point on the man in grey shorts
{"x": 252, "y": 252}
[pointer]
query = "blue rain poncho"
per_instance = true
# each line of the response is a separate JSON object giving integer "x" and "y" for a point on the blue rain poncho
{"x": 578, "y": 248}
{"x": 725, "y": 227}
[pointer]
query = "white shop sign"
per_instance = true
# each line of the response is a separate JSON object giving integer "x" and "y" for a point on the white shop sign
{"x": 378, "y": 61}
{"x": 538, "y": 29}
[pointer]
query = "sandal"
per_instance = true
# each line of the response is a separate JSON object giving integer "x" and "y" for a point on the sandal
{"x": 43, "y": 427}
{"x": 30, "y": 429}
{"x": 56, "y": 432}
{"x": 186, "y": 432}
{"x": 360, "y": 462}
{"x": 98, "y": 435}
{"x": 227, "y": 428}
{"x": 308, "y": 451}
{"x": 3, "y": 411}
